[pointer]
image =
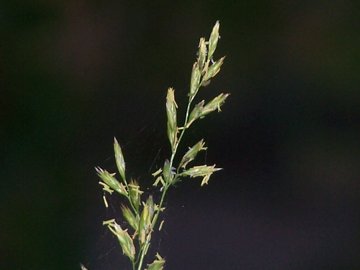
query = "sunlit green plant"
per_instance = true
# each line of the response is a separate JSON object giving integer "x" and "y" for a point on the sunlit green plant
{"x": 142, "y": 215}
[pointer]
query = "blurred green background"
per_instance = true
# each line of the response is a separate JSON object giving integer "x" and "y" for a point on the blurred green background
{"x": 74, "y": 74}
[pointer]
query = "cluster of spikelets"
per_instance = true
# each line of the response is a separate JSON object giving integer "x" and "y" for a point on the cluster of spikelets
{"x": 141, "y": 215}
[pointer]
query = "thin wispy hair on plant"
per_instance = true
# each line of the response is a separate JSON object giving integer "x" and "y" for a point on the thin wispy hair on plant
{"x": 142, "y": 215}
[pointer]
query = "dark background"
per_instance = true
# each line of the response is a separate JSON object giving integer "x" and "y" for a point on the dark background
{"x": 73, "y": 74}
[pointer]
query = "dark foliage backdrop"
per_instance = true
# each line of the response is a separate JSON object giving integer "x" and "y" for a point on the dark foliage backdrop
{"x": 73, "y": 74}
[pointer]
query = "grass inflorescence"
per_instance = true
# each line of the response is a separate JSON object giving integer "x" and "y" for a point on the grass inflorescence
{"x": 142, "y": 216}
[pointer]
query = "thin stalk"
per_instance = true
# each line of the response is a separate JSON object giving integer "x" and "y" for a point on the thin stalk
{"x": 141, "y": 260}
{"x": 133, "y": 265}
{"x": 146, "y": 246}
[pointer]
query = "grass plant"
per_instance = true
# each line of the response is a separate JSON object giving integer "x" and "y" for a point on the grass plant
{"x": 142, "y": 216}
